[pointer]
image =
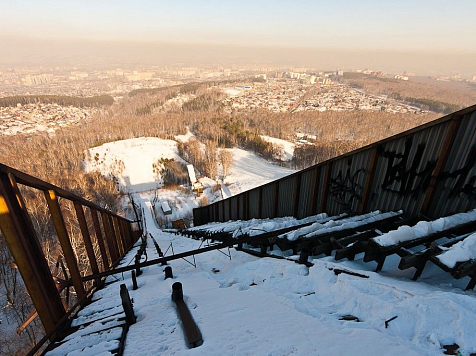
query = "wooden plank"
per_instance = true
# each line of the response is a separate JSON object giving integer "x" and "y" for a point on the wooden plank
{"x": 369, "y": 180}
{"x": 99, "y": 238}
{"x": 64, "y": 240}
{"x": 83, "y": 226}
{"x": 22, "y": 241}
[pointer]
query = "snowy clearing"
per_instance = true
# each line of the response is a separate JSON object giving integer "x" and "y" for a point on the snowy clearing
{"x": 249, "y": 171}
{"x": 288, "y": 147}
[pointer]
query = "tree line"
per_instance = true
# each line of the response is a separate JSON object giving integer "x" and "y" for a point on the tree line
{"x": 93, "y": 101}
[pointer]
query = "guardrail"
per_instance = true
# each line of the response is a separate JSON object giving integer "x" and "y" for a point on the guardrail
{"x": 428, "y": 170}
{"x": 111, "y": 234}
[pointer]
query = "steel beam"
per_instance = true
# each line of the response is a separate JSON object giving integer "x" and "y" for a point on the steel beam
{"x": 23, "y": 243}
{"x": 64, "y": 240}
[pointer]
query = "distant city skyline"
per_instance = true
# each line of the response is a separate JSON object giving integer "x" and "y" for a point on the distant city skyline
{"x": 313, "y": 27}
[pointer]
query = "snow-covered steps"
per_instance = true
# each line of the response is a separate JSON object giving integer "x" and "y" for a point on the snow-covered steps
{"x": 424, "y": 233}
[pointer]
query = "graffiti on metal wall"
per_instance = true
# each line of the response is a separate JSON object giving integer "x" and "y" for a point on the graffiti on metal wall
{"x": 345, "y": 188}
{"x": 464, "y": 183}
{"x": 402, "y": 175}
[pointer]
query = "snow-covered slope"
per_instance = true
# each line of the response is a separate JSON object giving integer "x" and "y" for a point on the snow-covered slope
{"x": 288, "y": 147}
{"x": 251, "y": 306}
{"x": 249, "y": 171}
{"x": 131, "y": 161}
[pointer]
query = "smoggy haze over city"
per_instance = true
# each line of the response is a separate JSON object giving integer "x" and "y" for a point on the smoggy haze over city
{"x": 427, "y": 37}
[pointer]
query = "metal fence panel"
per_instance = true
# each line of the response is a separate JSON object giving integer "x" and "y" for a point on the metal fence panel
{"x": 269, "y": 200}
{"x": 347, "y": 183}
{"x": 456, "y": 186}
{"x": 286, "y": 196}
{"x": 306, "y": 192}
{"x": 404, "y": 169}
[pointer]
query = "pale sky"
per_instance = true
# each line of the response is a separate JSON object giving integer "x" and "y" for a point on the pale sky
{"x": 422, "y": 35}
{"x": 357, "y": 24}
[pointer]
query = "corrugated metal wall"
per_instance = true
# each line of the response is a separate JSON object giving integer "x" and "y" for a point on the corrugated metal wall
{"x": 430, "y": 169}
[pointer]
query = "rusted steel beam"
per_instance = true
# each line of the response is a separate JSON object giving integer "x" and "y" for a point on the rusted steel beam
{"x": 63, "y": 237}
{"x": 445, "y": 150}
{"x": 369, "y": 180}
{"x": 110, "y": 238}
{"x": 22, "y": 241}
{"x": 191, "y": 331}
{"x": 247, "y": 239}
{"x": 99, "y": 238}
{"x": 117, "y": 233}
{"x": 125, "y": 233}
{"x": 83, "y": 225}
{"x": 125, "y": 243}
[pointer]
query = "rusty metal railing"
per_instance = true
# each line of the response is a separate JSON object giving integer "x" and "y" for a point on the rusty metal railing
{"x": 111, "y": 234}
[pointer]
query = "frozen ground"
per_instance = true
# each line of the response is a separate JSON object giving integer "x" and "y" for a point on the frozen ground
{"x": 245, "y": 305}
{"x": 251, "y": 306}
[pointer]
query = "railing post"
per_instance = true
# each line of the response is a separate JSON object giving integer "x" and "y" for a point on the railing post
{"x": 65, "y": 242}
{"x": 118, "y": 235}
{"x": 99, "y": 238}
{"x": 120, "y": 227}
{"x": 83, "y": 225}
{"x": 113, "y": 251}
{"x": 21, "y": 239}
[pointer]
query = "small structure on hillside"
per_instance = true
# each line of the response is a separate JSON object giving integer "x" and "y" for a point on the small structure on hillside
{"x": 166, "y": 207}
{"x": 194, "y": 183}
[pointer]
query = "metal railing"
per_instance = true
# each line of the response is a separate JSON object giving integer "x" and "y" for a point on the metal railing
{"x": 105, "y": 236}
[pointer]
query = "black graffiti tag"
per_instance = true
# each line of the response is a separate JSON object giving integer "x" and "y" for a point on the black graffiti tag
{"x": 461, "y": 175}
{"x": 402, "y": 170}
{"x": 345, "y": 189}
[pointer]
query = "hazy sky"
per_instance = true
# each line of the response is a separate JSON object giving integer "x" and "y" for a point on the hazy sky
{"x": 378, "y": 25}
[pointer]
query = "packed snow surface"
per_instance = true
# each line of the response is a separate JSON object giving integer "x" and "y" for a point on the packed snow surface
{"x": 249, "y": 171}
{"x": 131, "y": 161}
{"x": 245, "y": 305}
{"x": 460, "y": 252}
{"x": 288, "y": 147}
{"x": 424, "y": 228}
